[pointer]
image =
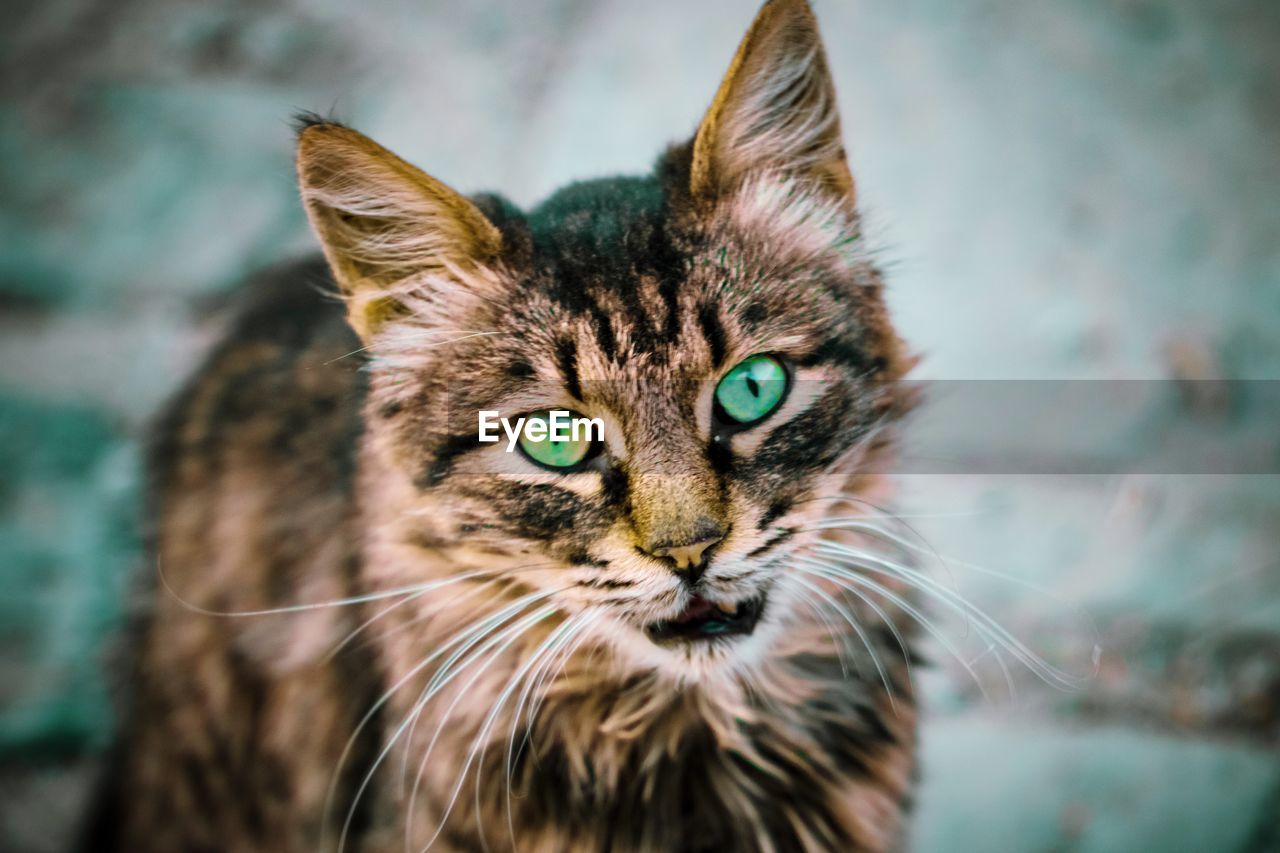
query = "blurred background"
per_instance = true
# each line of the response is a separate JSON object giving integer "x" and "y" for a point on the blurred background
{"x": 1080, "y": 189}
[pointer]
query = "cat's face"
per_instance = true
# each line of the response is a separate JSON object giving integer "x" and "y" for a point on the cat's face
{"x": 719, "y": 320}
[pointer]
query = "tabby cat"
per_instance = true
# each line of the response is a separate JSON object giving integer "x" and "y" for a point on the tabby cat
{"x": 372, "y": 631}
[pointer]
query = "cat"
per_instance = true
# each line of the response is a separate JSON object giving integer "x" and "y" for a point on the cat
{"x": 372, "y": 631}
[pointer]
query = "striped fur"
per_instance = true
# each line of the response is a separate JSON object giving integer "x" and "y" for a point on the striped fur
{"x": 328, "y": 451}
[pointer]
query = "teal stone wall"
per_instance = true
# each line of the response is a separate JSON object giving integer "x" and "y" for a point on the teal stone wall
{"x": 1083, "y": 189}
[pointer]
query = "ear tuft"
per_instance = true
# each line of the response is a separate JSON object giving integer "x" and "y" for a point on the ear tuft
{"x": 387, "y": 228}
{"x": 775, "y": 110}
{"x": 304, "y": 119}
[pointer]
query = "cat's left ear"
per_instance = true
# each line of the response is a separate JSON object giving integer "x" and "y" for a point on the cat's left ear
{"x": 775, "y": 111}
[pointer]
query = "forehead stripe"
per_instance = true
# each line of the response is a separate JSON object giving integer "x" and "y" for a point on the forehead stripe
{"x": 567, "y": 361}
{"x": 709, "y": 319}
{"x": 604, "y": 333}
{"x": 669, "y": 290}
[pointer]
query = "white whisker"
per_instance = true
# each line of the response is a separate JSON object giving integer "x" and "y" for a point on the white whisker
{"x": 836, "y": 637}
{"x": 370, "y": 621}
{"x": 534, "y": 687}
{"x": 446, "y": 672}
{"x": 885, "y": 618}
{"x": 836, "y": 573}
{"x": 491, "y": 621}
{"x": 502, "y": 643}
{"x": 960, "y": 605}
{"x": 319, "y": 605}
{"x": 862, "y": 635}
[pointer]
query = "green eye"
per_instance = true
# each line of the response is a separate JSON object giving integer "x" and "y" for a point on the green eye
{"x": 575, "y": 444}
{"x": 753, "y": 389}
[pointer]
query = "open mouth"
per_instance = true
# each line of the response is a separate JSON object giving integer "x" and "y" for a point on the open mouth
{"x": 705, "y": 620}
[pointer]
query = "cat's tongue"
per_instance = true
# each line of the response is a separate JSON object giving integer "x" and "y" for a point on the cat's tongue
{"x": 701, "y": 619}
{"x": 698, "y": 608}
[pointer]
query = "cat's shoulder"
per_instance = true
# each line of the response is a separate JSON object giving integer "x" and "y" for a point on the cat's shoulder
{"x": 282, "y": 386}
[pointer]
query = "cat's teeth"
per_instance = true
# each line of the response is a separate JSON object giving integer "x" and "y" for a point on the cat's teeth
{"x": 727, "y": 609}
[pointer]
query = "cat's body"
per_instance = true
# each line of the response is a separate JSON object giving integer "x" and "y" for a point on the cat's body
{"x": 232, "y": 727}
{"x": 544, "y": 666}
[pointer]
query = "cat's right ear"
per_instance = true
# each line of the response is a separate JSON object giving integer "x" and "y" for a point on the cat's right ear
{"x": 392, "y": 233}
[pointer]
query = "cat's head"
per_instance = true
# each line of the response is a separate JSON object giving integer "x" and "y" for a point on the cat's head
{"x": 719, "y": 318}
